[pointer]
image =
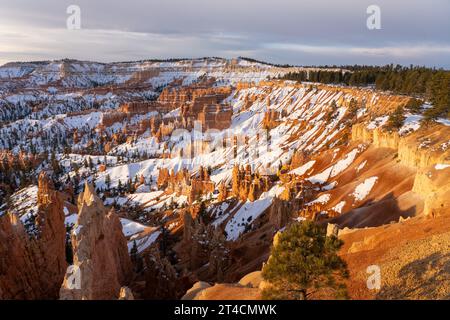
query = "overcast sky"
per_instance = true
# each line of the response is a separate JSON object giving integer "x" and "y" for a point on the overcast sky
{"x": 302, "y": 32}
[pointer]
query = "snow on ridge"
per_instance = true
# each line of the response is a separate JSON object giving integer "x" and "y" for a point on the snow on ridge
{"x": 338, "y": 208}
{"x": 337, "y": 168}
{"x": 445, "y": 122}
{"x": 220, "y": 215}
{"x": 144, "y": 242}
{"x": 410, "y": 124}
{"x": 361, "y": 166}
{"x": 249, "y": 212}
{"x": 377, "y": 122}
{"x": 363, "y": 189}
{"x": 130, "y": 227}
{"x": 245, "y": 216}
{"x": 324, "y": 198}
{"x": 24, "y": 203}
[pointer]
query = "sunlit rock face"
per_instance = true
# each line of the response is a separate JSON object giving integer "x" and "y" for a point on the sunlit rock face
{"x": 101, "y": 259}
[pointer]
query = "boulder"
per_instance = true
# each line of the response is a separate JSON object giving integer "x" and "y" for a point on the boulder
{"x": 332, "y": 230}
{"x": 252, "y": 280}
{"x": 126, "y": 294}
{"x": 195, "y": 290}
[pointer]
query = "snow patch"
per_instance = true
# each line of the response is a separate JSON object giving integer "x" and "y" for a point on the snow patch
{"x": 144, "y": 242}
{"x": 337, "y": 168}
{"x": 304, "y": 168}
{"x": 377, "y": 122}
{"x": 441, "y": 166}
{"x": 363, "y": 190}
{"x": 130, "y": 227}
{"x": 338, "y": 208}
{"x": 411, "y": 124}
{"x": 321, "y": 200}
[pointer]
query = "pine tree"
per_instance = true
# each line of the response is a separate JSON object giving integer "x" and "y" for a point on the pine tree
{"x": 136, "y": 259}
{"x": 130, "y": 186}
{"x": 396, "y": 119}
{"x": 353, "y": 108}
{"x": 108, "y": 181}
{"x": 202, "y": 213}
{"x": 55, "y": 164}
{"x": 304, "y": 261}
{"x": 333, "y": 105}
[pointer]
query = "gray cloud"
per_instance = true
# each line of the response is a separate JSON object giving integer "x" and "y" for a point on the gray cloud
{"x": 284, "y": 31}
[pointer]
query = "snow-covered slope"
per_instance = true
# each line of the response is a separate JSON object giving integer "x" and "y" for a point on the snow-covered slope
{"x": 61, "y": 115}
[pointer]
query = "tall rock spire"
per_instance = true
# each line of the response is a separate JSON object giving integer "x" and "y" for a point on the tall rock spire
{"x": 102, "y": 264}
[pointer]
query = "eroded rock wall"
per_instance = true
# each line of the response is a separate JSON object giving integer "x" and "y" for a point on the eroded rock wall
{"x": 33, "y": 259}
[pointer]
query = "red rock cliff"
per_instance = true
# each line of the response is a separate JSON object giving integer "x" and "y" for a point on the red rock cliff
{"x": 33, "y": 260}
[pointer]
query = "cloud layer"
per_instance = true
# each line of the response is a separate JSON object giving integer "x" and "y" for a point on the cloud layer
{"x": 284, "y": 31}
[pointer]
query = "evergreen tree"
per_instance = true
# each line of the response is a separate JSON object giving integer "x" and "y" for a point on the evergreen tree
{"x": 130, "y": 187}
{"x": 136, "y": 259}
{"x": 55, "y": 164}
{"x": 396, "y": 119}
{"x": 353, "y": 108}
{"x": 304, "y": 261}
{"x": 202, "y": 213}
{"x": 108, "y": 181}
{"x": 420, "y": 82}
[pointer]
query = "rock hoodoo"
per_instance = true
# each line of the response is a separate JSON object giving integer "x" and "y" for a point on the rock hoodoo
{"x": 32, "y": 257}
{"x": 101, "y": 260}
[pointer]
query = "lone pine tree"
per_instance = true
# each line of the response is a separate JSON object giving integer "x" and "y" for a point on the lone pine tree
{"x": 396, "y": 119}
{"x": 304, "y": 261}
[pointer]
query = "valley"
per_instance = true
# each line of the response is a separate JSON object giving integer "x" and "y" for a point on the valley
{"x": 171, "y": 180}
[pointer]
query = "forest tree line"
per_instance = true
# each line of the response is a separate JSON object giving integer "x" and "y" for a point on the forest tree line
{"x": 432, "y": 85}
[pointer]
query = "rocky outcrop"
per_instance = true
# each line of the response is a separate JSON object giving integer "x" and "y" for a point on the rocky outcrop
{"x": 203, "y": 247}
{"x": 378, "y": 137}
{"x": 33, "y": 258}
{"x": 421, "y": 151}
{"x": 182, "y": 96}
{"x": 161, "y": 279}
{"x": 281, "y": 212}
{"x": 361, "y": 133}
{"x": 425, "y": 148}
{"x": 183, "y": 183}
{"x": 196, "y": 288}
{"x": 252, "y": 280}
{"x": 247, "y": 185}
{"x": 417, "y": 150}
{"x": 126, "y": 294}
{"x": 102, "y": 264}
{"x": 223, "y": 192}
{"x": 141, "y": 107}
{"x": 434, "y": 187}
{"x": 332, "y": 230}
{"x": 200, "y": 184}
{"x": 215, "y": 116}
{"x": 270, "y": 119}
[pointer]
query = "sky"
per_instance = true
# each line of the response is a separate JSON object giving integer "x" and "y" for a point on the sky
{"x": 299, "y": 32}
